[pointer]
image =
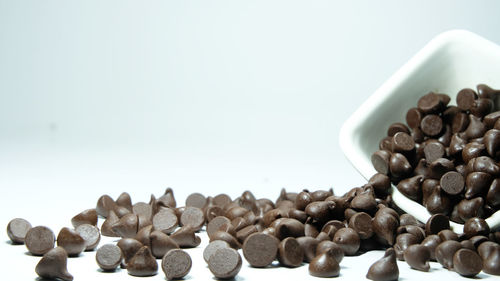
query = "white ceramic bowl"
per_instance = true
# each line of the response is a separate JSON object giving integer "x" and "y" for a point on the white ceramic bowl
{"x": 451, "y": 61}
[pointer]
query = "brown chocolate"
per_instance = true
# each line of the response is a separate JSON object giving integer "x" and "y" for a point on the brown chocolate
{"x": 225, "y": 263}
{"x": 348, "y": 239}
{"x": 467, "y": 263}
{"x": 418, "y": 256}
{"x": 108, "y": 257}
{"x": 197, "y": 200}
{"x": 185, "y": 237}
{"x": 161, "y": 243}
{"x": 385, "y": 269}
{"x": 142, "y": 263}
{"x": 194, "y": 217}
{"x": 17, "y": 230}
{"x": 212, "y": 247}
{"x": 127, "y": 226}
{"x": 329, "y": 246}
{"x": 129, "y": 247}
{"x": 362, "y": 224}
{"x": 308, "y": 245}
{"x": 436, "y": 223}
{"x": 290, "y": 253}
{"x": 71, "y": 241}
{"x": 445, "y": 252}
{"x": 53, "y": 265}
{"x": 176, "y": 264}
{"x": 90, "y": 235}
{"x": 106, "y": 227}
{"x": 88, "y": 216}
{"x": 324, "y": 265}
{"x": 105, "y": 204}
{"x": 165, "y": 220}
{"x": 39, "y": 240}
{"x": 260, "y": 249}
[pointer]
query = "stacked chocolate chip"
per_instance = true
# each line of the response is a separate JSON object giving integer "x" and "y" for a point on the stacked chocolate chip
{"x": 446, "y": 158}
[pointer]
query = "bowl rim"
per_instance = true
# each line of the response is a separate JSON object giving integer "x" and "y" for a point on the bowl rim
{"x": 368, "y": 108}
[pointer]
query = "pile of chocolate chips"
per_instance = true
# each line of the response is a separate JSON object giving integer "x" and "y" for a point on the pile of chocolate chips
{"x": 314, "y": 227}
{"x": 447, "y": 157}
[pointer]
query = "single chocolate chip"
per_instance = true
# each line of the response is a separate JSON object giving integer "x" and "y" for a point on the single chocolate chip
{"x": 329, "y": 246}
{"x": 196, "y": 200}
{"x": 490, "y": 119}
{"x": 396, "y": 128}
{"x": 483, "y": 164}
{"x": 243, "y": 233}
{"x": 17, "y": 230}
{"x": 288, "y": 227}
{"x": 214, "y": 246}
{"x": 168, "y": 199}
{"x": 124, "y": 200}
{"x": 143, "y": 209}
{"x": 469, "y": 208}
{"x": 230, "y": 239}
{"x": 105, "y": 204}
{"x": 324, "y": 265}
{"x": 225, "y": 263}
{"x": 320, "y": 210}
{"x": 493, "y": 195}
{"x": 106, "y": 227}
{"x": 385, "y": 269}
{"x": 381, "y": 184}
{"x": 472, "y": 150}
{"x": 431, "y": 242}
{"x": 407, "y": 219}
{"x": 477, "y": 183}
{"x": 380, "y": 161}
{"x": 452, "y": 183}
{"x": 476, "y": 226}
{"x": 290, "y": 253}
{"x": 54, "y": 265}
{"x": 127, "y": 226}
{"x": 142, "y": 263}
{"x": 467, "y": 263}
{"x": 460, "y": 122}
{"x": 399, "y": 165}
{"x": 404, "y": 240}
{"x": 384, "y": 226}
{"x": 418, "y": 256}
{"x": 88, "y": 216}
{"x": 492, "y": 141}
{"x": 71, "y": 241}
{"x": 39, "y": 240}
{"x": 411, "y": 187}
{"x": 303, "y": 199}
{"x": 161, "y": 243}
{"x": 481, "y": 107}
{"x": 362, "y": 224}
{"x": 215, "y": 224}
{"x": 402, "y": 142}
{"x": 308, "y": 245}
{"x": 222, "y": 200}
{"x": 447, "y": 234}
{"x": 476, "y": 128}
{"x": 445, "y": 252}
{"x": 433, "y": 150}
{"x": 431, "y": 125}
{"x": 467, "y": 244}
{"x": 129, "y": 247}
{"x": 185, "y": 237}
{"x": 176, "y": 264}
{"x": 165, "y": 220}
{"x": 108, "y": 257}
{"x": 466, "y": 98}
{"x": 90, "y": 234}
{"x": 436, "y": 223}
{"x": 413, "y": 117}
{"x": 193, "y": 217}
{"x": 364, "y": 201}
{"x": 430, "y": 103}
{"x": 348, "y": 239}
{"x": 417, "y": 231}
{"x": 260, "y": 249}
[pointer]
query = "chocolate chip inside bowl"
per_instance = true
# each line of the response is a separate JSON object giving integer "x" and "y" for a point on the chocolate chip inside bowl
{"x": 453, "y": 167}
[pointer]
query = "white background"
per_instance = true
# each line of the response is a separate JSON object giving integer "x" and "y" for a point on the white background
{"x": 202, "y": 96}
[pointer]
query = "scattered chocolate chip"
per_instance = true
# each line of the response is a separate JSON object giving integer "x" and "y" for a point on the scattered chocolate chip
{"x": 129, "y": 247}
{"x": 17, "y": 230}
{"x": 106, "y": 228}
{"x": 176, "y": 264}
{"x": 185, "y": 237}
{"x": 71, "y": 241}
{"x": 86, "y": 217}
{"x": 385, "y": 269}
{"x": 324, "y": 265}
{"x": 90, "y": 235}
{"x": 467, "y": 263}
{"x": 108, "y": 257}
{"x": 127, "y": 226}
{"x": 142, "y": 263}
{"x": 54, "y": 265}
{"x": 39, "y": 240}
{"x": 225, "y": 263}
{"x": 165, "y": 220}
{"x": 105, "y": 204}
{"x": 260, "y": 249}
{"x": 418, "y": 256}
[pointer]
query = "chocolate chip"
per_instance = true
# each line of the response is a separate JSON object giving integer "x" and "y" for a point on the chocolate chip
{"x": 476, "y": 128}
{"x": 320, "y": 210}
{"x": 362, "y": 224}
{"x": 324, "y": 265}
{"x": 399, "y": 165}
{"x": 404, "y": 240}
{"x": 260, "y": 249}
{"x": 493, "y": 195}
{"x": 431, "y": 125}
{"x": 384, "y": 269}
{"x": 129, "y": 247}
{"x": 430, "y": 103}
{"x": 418, "y": 256}
{"x": 290, "y": 253}
{"x": 491, "y": 264}
{"x": 460, "y": 122}
{"x": 396, "y": 128}
{"x": 17, "y": 230}
{"x": 225, "y": 263}
{"x": 433, "y": 150}
{"x": 142, "y": 263}
{"x": 466, "y": 98}
{"x": 106, "y": 227}
{"x": 431, "y": 242}
{"x": 445, "y": 252}
{"x": 329, "y": 246}
{"x": 212, "y": 247}
{"x": 467, "y": 263}
{"x": 413, "y": 117}
{"x": 161, "y": 243}
{"x": 364, "y": 201}
{"x": 477, "y": 183}
{"x": 185, "y": 237}
{"x": 452, "y": 183}
{"x": 176, "y": 264}
{"x": 491, "y": 141}
{"x": 142, "y": 209}
{"x": 90, "y": 235}
{"x": 402, "y": 142}
{"x": 193, "y": 217}
{"x": 384, "y": 226}
{"x": 308, "y": 245}
{"x": 407, "y": 219}
{"x": 196, "y": 200}
{"x": 168, "y": 199}
{"x": 476, "y": 226}
{"x": 127, "y": 226}
{"x": 108, "y": 257}
{"x": 348, "y": 239}
{"x": 105, "y": 204}
{"x": 469, "y": 208}
{"x": 303, "y": 199}
{"x": 222, "y": 235}
{"x": 88, "y": 216}
{"x": 71, "y": 241}
{"x": 288, "y": 227}
{"x": 411, "y": 187}
{"x": 125, "y": 201}
{"x": 381, "y": 184}
{"x": 165, "y": 220}
{"x": 39, "y": 240}
{"x": 447, "y": 234}
{"x": 481, "y": 107}
{"x": 436, "y": 223}
{"x": 380, "y": 160}
{"x": 54, "y": 265}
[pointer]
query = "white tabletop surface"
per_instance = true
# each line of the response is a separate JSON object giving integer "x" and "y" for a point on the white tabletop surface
{"x": 202, "y": 96}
